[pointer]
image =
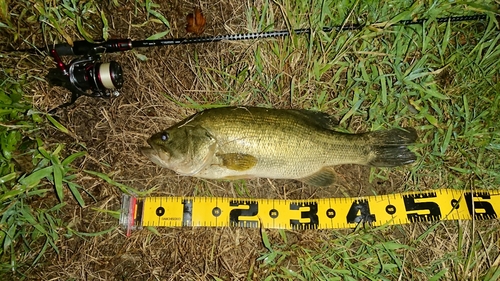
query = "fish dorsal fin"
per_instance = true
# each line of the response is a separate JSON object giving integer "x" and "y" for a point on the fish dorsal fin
{"x": 318, "y": 118}
{"x": 323, "y": 177}
{"x": 237, "y": 161}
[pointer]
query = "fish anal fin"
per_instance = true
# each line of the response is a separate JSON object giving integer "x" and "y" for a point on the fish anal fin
{"x": 323, "y": 177}
{"x": 238, "y": 161}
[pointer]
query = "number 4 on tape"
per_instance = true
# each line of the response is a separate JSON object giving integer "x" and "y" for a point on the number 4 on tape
{"x": 330, "y": 213}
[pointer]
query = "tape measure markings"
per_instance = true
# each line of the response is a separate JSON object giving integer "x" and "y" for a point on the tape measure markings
{"x": 327, "y": 213}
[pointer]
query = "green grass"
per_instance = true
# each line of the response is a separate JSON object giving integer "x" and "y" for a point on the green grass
{"x": 363, "y": 254}
{"x": 32, "y": 170}
{"x": 442, "y": 79}
{"x": 28, "y": 171}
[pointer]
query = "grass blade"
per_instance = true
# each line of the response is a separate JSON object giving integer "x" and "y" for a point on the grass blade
{"x": 35, "y": 178}
{"x": 56, "y": 124}
{"x": 58, "y": 182}
{"x": 73, "y": 187}
{"x": 72, "y": 158}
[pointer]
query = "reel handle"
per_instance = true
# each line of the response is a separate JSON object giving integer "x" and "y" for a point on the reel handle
{"x": 60, "y": 64}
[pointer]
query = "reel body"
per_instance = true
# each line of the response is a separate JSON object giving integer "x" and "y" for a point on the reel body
{"x": 87, "y": 75}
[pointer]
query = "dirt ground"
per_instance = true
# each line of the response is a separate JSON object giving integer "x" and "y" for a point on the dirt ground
{"x": 113, "y": 130}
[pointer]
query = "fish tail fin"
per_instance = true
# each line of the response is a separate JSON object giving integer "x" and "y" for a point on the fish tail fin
{"x": 390, "y": 147}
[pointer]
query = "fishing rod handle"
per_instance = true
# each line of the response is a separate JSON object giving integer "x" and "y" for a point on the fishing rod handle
{"x": 81, "y": 48}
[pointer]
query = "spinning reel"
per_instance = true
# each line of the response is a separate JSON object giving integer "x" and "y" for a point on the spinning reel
{"x": 86, "y": 75}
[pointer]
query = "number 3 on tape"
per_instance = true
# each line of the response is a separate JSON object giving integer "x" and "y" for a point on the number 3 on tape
{"x": 331, "y": 213}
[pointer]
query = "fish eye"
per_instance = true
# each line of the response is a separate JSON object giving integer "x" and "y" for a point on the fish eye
{"x": 164, "y": 136}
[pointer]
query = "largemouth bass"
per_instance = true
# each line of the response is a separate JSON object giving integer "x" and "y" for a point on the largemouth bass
{"x": 249, "y": 142}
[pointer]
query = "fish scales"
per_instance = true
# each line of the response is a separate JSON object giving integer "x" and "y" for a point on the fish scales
{"x": 231, "y": 143}
{"x": 283, "y": 144}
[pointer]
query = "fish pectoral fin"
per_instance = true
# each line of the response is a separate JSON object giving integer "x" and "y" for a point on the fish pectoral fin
{"x": 237, "y": 161}
{"x": 324, "y": 177}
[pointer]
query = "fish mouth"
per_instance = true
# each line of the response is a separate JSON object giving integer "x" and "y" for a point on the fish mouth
{"x": 150, "y": 142}
{"x": 149, "y": 151}
{"x": 155, "y": 154}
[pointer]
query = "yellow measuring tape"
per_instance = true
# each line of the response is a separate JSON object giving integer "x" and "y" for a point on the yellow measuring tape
{"x": 330, "y": 213}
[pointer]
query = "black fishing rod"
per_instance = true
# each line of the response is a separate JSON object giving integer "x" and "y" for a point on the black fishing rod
{"x": 120, "y": 45}
{"x": 87, "y": 74}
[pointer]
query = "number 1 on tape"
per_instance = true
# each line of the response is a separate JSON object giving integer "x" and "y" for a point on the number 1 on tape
{"x": 330, "y": 213}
